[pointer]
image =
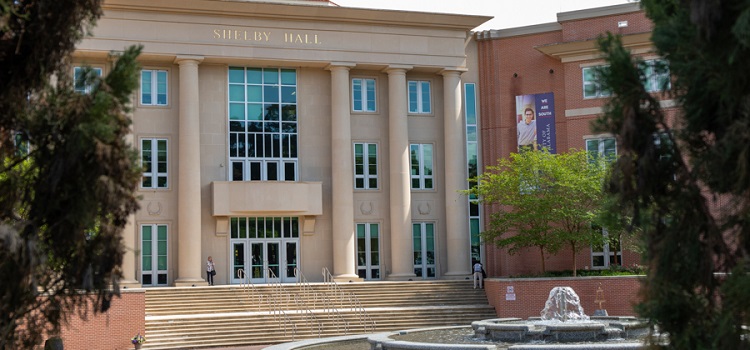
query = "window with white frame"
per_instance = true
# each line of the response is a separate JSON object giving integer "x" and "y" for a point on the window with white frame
{"x": 365, "y": 166}
{"x": 81, "y": 82}
{"x": 601, "y": 147}
{"x": 363, "y": 95}
{"x": 607, "y": 253}
{"x": 421, "y": 166}
{"x": 420, "y": 101}
{"x": 263, "y": 125}
{"x": 656, "y": 74}
{"x": 154, "y": 87}
{"x": 154, "y": 163}
{"x": 592, "y": 88}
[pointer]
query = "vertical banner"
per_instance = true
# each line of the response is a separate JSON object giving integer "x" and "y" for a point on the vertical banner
{"x": 535, "y": 122}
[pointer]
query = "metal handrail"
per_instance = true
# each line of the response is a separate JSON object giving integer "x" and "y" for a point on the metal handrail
{"x": 305, "y": 287}
{"x": 333, "y": 286}
{"x": 310, "y": 316}
{"x": 330, "y": 303}
{"x": 359, "y": 310}
{"x": 248, "y": 288}
{"x": 277, "y": 308}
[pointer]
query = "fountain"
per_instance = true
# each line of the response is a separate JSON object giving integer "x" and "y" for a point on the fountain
{"x": 562, "y": 321}
{"x": 562, "y": 325}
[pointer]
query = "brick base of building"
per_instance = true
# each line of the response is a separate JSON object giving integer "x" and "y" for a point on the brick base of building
{"x": 113, "y": 329}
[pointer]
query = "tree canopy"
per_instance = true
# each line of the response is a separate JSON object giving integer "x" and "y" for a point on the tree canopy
{"x": 685, "y": 182}
{"x": 68, "y": 175}
{"x": 546, "y": 201}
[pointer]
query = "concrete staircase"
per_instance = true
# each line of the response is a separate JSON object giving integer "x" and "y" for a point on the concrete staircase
{"x": 199, "y": 317}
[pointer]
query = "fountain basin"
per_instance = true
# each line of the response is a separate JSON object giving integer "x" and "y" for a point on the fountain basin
{"x": 515, "y": 330}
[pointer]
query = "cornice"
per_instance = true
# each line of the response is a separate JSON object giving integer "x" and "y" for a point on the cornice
{"x": 301, "y": 12}
{"x": 599, "y": 12}
{"x": 587, "y": 49}
{"x": 511, "y": 32}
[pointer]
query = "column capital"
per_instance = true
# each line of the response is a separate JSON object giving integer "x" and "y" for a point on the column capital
{"x": 182, "y": 59}
{"x": 453, "y": 70}
{"x": 340, "y": 65}
{"x": 397, "y": 68}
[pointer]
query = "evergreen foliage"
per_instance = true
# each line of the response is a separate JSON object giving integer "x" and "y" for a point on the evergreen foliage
{"x": 693, "y": 214}
{"x": 67, "y": 174}
{"x": 546, "y": 201}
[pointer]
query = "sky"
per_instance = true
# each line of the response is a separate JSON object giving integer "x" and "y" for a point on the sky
{"x": 507, "y": 13}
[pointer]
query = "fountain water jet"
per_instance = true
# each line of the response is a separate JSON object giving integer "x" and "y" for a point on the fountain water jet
{"x": 563, "y": 304}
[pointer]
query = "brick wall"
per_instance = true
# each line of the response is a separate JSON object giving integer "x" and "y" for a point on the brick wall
{"x": 513, "y": 65}
{"x": 620, "y": 293}
{"x": 111, "y": 330}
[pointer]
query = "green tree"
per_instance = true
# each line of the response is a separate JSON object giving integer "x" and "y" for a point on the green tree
{"x": 67, "y": 174}
{"x": 546, "y": 201}
{"x": 693, "y": 214}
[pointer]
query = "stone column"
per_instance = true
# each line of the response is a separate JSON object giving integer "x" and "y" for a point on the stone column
{"x": 129, "y": 236}
{"x": 456, "y": 207}
{"x": 189, "y": 255}
{"x": 402, "y": 264}
{"x": 342, "y": 174}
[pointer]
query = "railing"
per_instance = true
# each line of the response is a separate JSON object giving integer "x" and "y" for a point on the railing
{"x": 248, "y": 288}
{"x": 364, "y": 319}
{"x": 277, "y": 309}
{"x": 339, "y": 298}
{"x": 306, "y": 291}
{"x": 333, "y": 287}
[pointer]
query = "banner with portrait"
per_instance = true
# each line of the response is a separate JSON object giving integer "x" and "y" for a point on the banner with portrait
{"x": 535, "y": 122}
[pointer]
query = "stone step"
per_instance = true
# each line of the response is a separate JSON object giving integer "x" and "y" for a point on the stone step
{"x": 229, "y": 316}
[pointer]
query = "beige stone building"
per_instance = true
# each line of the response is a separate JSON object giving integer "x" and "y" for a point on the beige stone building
{"x": 284, "y": 136}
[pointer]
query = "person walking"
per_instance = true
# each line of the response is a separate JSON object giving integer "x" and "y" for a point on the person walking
{"x": 210, "y": 271}
{"x": 478, "y": 276}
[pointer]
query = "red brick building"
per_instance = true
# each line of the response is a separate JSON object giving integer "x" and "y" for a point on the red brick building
{"x": 555, "y": 58}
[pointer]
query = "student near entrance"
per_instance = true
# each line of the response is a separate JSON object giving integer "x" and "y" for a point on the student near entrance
{"x": 478, "y": 274}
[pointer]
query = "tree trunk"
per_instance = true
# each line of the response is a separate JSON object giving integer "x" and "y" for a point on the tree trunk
{"x": 575, "y": 263}
{"x": 541, "y": 251}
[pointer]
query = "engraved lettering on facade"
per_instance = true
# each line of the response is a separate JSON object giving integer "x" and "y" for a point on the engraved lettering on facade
{"x": 265, "y": 36}
{"x": 241, "y": 35}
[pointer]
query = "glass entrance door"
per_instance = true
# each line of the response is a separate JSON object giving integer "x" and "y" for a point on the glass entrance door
{"x": 262, "y": 244}
{"x": 256, "y": 258}
{"x": 368, "y": 251}
{"x": 423, "y": 234}
{"x": 154, "y": 255}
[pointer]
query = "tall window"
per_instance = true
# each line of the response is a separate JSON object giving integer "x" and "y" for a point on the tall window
{"x": 80, "y": 83}
{"x": 601, "y": 147}
{"x": 154, "y": 87}
{"x": 421, "y": 166}
{"x": 591, "y": 85}
{"x": 263, "y": 124}
{"x": 154, "y": 163}
{"x": 363, "y": 95}
{"x": 419, "y": 97}
{"x": 368, "y": 250}
{"x": 656, "y": 74}
{"x": 472, "y": 154}
{"x": 365, "y": 166}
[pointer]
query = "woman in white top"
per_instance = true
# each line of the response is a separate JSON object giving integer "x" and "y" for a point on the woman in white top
{"x": 210, "y": 271}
